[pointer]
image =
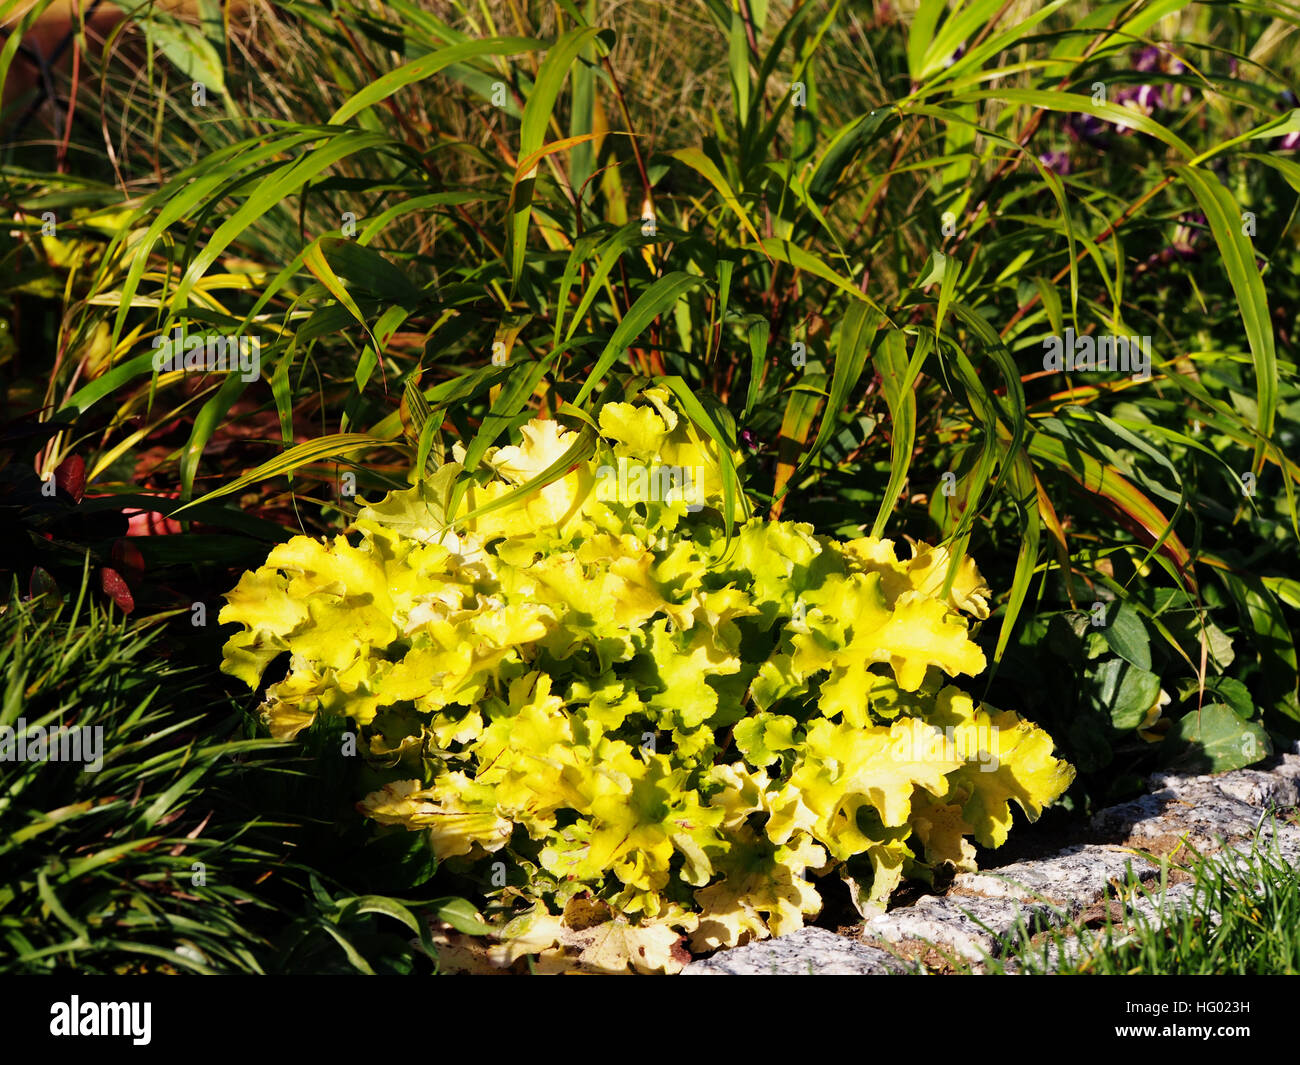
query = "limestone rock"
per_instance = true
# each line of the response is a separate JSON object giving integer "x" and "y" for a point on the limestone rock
{"x": 971, "y": 926}
{"x": 807, "y": 952}
{"x": 1072, "y": 879}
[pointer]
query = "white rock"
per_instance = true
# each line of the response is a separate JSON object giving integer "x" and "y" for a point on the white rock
{"x": 807, "y": 952}
{"x": 971, "y": 926}
{"x": 1073, "y": 879}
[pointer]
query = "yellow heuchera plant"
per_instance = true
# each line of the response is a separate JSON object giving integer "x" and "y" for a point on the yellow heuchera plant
{"x": 593, "y": 685}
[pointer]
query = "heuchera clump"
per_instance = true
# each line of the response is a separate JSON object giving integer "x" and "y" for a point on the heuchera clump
{"x": 610, "y": 696}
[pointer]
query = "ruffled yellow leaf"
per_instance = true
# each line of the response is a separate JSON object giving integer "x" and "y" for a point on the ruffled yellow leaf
{"x": 1004, "y": 758}
{"x": 841, "y": 769}
{"x": 454, "y": 827}
{"x": 763, "y": 892}
{"x": 637, "y": 432}
{"x": 928, "y": 569}
{"x": 941, "y": 828}
{"x": 588, "y": 938}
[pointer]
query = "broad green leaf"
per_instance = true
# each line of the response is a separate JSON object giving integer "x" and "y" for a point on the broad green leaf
{"x": 1267, "y": 623}
{"x": 1031, "y": 523}
{"x": 187, "y": 49}
{"x": 1278, "y": 127}
{"x": 532, "y": 130}
{"x": 1214, "y": 740}
{"x": 1227, "y": 690}
{"x": 757, "y": 333}
{"x": 270, "y": 192}
{"x": 521, "y": 196}
{"x": 607, "y": 257}
{"x": 462, "y": 916}
{"x": 1126, "y": 635}
{"x": 992, "y": 45}
{"x": 1081, "y": 104}
{"x": 920, "y": 35}
{"x": 784, "y": 251}
{"x": 857, "y": 331}
{"x": 963, "y": 21}
{"x": 314, "y": 259}
{"x": 1123, "y": 692}
{"x": 1135, "y": 508}
{"x": 898, "y": 376}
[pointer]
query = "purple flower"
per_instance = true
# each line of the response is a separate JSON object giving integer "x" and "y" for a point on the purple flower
{"x": 1059, "y": 162}
{"x": 1190, "y": 230}
{"x": 1087, "y": 128}
{"x": 1147, "y": 59}
{"x": 1291, "y": 141}
{"x": 1188, "y": 243}
{"x": 1145, "y": 98}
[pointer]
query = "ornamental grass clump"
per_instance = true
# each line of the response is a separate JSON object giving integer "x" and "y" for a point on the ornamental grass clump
{"x": 629, "y": 709}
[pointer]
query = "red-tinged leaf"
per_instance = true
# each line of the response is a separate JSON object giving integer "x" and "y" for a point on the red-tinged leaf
{"x": 71, "y": 476}
{"x": 805, "y": 401}
{"x": 113, "y": 586}
{"x": 1052, "y": 523}
{"x": 1133, "y": 509}
{"x": 150, "y": 523}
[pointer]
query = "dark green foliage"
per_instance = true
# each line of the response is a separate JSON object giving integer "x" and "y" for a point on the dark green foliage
{"x": 172, "y": 855}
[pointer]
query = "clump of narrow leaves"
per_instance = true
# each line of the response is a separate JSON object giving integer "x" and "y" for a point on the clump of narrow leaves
{"x": 114, "y": 861}
{"x": 138, "y": 837}
{"x": 596, "y": 687}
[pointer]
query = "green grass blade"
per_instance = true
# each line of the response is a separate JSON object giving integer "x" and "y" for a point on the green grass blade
{"x": 326, "y": 447}
{"x": 427, "y": 66}
{"x": 648, "y": 306}
{"x": 1224, "y": 217}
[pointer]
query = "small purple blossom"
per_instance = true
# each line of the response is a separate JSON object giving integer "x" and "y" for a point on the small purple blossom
{"x": 1287, "y": 101}
{"x": 1087, "y": 128}
{"x": 1144, "y": 99}
{"x": 1147, "y": 59}
{"x": 1188, "y": 242}
{"x": 1058, "y": 162}
{"x": 1190, "y": 231}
